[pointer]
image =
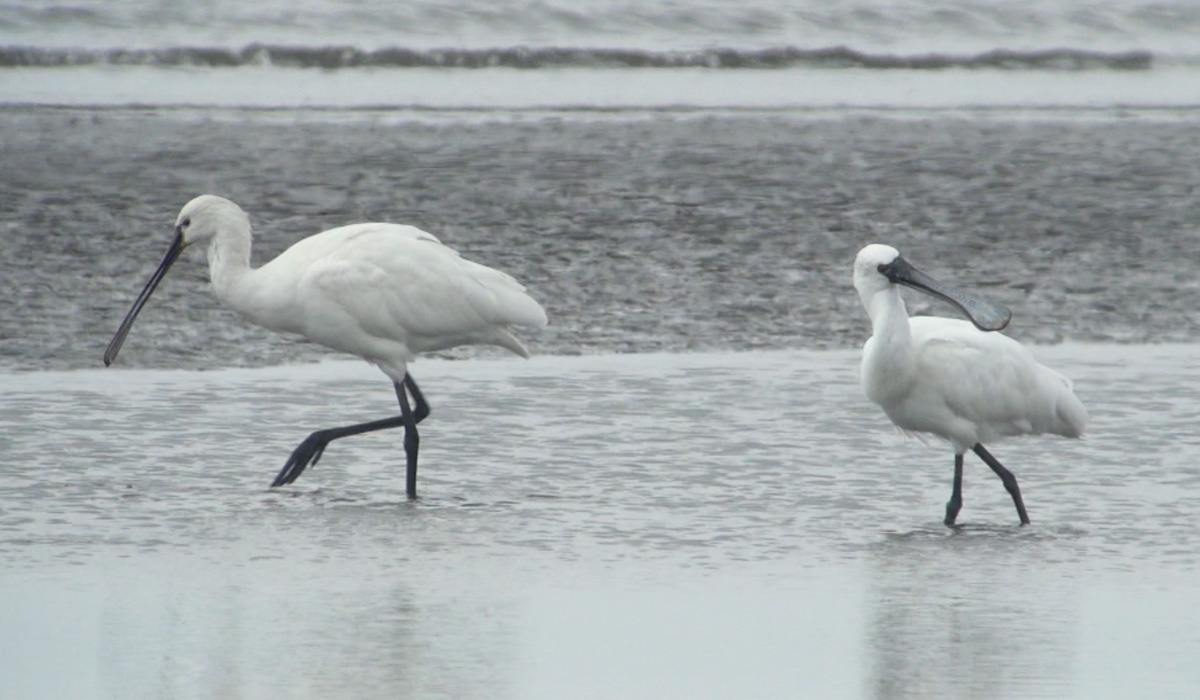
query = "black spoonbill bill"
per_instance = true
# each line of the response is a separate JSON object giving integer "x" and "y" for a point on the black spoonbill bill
{"x": 383, "y": 292}
{"x": 968, "y": 384}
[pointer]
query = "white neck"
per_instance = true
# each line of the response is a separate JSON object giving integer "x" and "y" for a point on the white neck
{"x": 888, "y": 366}
{"x": 229, "y": 268}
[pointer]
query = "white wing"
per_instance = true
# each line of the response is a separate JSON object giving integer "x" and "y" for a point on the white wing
{"x": 398, "y": 283}
{"x": 991, "y": 381}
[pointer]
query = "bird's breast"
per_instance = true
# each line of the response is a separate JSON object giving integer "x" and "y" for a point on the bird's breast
{"x": 886, "y": 373}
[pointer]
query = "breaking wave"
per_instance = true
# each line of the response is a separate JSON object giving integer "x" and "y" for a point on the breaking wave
{"x": 343, "y": 57}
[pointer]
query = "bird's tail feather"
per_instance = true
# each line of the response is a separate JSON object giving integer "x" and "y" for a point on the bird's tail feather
{"x": 1069, "y": 412}
{"x": 505, "y": 339}
{"x": 516, "y": 308}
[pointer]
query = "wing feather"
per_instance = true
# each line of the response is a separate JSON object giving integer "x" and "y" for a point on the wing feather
{"x": 401, "y": 284}
{"x": 958, "y": 364}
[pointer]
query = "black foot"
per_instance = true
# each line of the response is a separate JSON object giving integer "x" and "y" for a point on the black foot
{"x": 304, "y": 456}
{"x": 952, "y": 509}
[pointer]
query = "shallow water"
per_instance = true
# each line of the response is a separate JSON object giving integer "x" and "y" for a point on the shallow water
{"x": 691, "y": 525}
{"x": 574, "y": 89}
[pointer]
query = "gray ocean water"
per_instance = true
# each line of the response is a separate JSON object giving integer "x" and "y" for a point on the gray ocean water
{"x": 684, "y": 494}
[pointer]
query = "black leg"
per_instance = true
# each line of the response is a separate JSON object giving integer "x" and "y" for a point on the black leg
{"x": 421, "y": 409}
{"x": 309, "y": 452}
{"x": 955, "y": 503}
{"x": 412, "y": 441}
{"x": 1010, "y": 481}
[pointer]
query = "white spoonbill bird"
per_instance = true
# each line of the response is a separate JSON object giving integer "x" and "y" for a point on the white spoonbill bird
{"x": 965, "y": 383}
{"x": 384, "y": 292}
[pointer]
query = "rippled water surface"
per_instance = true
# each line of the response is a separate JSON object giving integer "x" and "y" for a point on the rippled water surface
{"x": 688, "y": 525}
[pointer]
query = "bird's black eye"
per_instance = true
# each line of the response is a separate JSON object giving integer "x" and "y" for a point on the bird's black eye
{"x": 185, "y": 223}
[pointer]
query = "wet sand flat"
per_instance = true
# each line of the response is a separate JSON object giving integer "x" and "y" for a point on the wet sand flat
{"x": 658, "y": 232}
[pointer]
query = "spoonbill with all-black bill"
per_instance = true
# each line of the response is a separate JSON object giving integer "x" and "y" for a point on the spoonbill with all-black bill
{"x": 383, "y": 292}
{"x": 964, "y": 382}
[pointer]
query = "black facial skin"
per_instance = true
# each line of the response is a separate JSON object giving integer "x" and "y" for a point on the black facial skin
{"x": 986, "y": 315}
